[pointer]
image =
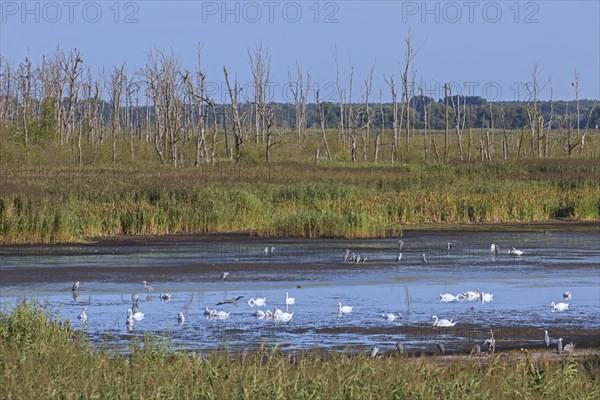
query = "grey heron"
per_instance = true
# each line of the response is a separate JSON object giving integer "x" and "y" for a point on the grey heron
{"x": 233, "y": 301}
{"x": 348, "y": 255}
{"x": 441, "y": 348}
{"x": 399, "y": 258}
{"x": 223, "y": 276}
{"x": 374, "y": 352}
{"x": 476, "y": 350}
{"x": 75, "y": 286}
{"x": 546, "y": 338}
{"x": 149, "y": 288}
{"x": 424, "y": 258}
{"x": 559, "y": 348}
{"x": 180, "y": 318}
{"x": 399, "y": 347}
{"x": 400, "y": 244}
{"x": 449, "y": 246}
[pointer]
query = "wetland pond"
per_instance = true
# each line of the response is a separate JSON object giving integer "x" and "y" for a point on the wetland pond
{"x": 556, "y": 259}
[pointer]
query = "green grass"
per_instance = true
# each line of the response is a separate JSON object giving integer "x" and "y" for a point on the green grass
{"x": 43, "y": 358}
{"x": 44, "y": 198}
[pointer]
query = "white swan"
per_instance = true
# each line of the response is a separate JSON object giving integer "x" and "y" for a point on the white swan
{"x": 220, "y": 314}
{"x": 344, "y": 309}
{"x": 283, "y": 317}
{"x": 208, "y": 312}
{"x": 391, "y": 316}
{"x": 471, "y": 295}
{"x": 260, "y": 314}
{"x": 258, "y": 302}
{"x": 486, "y": 297}
{"x": 129, "y": 318}
{"x": 83, "y": 316}
{"x": 442, "y": 322}
{"x": 180, "y": 318}
{"x": 567, "y": 296}
{"x": 559, "y": 306}
{"x": 515, "y": 252}
{"x": 138, "y": 316}
{"x": 447, "y": 297}
{"x": 289, "y": 300}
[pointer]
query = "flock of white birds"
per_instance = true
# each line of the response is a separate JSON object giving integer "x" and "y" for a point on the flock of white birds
{"x": 133, "y": 314}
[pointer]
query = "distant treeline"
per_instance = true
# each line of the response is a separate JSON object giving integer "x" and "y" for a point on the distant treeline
{"x": 170, "y": 109}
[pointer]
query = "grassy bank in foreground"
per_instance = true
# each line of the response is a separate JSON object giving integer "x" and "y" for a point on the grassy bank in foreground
{"x": 58, "y": 204}
{"x": 40, "y": 359}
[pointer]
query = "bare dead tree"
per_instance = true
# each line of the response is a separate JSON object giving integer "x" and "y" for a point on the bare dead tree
{"x": 406, "y": 90}
{"x": 366, "y": 131}
{"x": 460, "y": 116}
{"x": 260, "y": 66}
{"x": 71, "y": 67}
{"x": 341, "y": 96}
{"x": 27, "y": 77}
{"x": 117, "y": 81}
{"x": 381, "y": 128}
{"x": 321, "y": 111}
{"x": 534, "y": 114}
{"x": 237, "y": 126}
{"x": 504, "y": 134}
{"x": 351, "y": 118}
{"x": 396, "y": 130}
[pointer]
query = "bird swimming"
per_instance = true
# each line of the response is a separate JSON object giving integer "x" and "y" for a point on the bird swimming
{"x": 391, "y": 316}
{"x": 289, "y": 300}
{"x": 258, "y": 302}
{"x": 138, "y": 316}
{"x": 515, "y": 252}
{"x": 165, "y": 296}
{"x": 442, "y": 322}
{"x": 559, "y": 306}
{"x": 83, "y": 316}
{"x": 471, "y": 295}
{"x": 447, "y": 297}
{"x": 344, "y": 309}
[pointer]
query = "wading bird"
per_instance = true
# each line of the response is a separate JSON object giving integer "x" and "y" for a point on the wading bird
{"x": 399, "y": 258}
{"x": 75, "y": 286}
{"x": 424, "y": 258}
{"x": 180, "y": 318}
{"x": 441, "y": 348}
{"x": 400, "y": 244}
{"x": 223, "y": 276}
{"x": 149, "y": 288}
{"x": 374, "y": 352}
{"x": 476, "y": 350}
{"x": 559, "y": 347}
{"x": 233, "y": 301}
{"x": 546, "y": 339}
{"x": 135, "y": 297}
{"x": 348, "y": 255}
{"x": 494, "y": 248}
{"x": 399, "y": 347}
{"x": 569, "y": 347}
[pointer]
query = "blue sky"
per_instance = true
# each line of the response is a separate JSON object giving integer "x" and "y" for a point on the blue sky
{"x": 486, "y": 47}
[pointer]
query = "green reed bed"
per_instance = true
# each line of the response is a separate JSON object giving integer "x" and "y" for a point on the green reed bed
{"x": 58, "y": 204}
{"x": 43, "y": 358}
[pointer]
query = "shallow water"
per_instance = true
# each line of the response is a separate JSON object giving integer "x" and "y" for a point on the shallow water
{"x": 556, "y": 259}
